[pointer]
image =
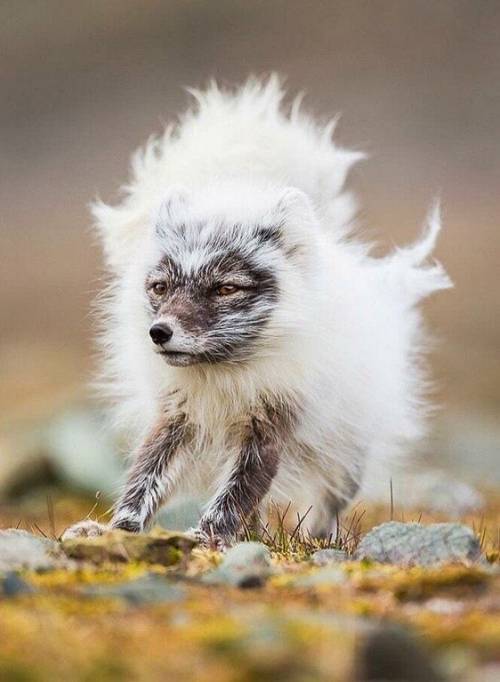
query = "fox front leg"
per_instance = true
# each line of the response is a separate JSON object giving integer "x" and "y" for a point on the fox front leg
{"x": 248, "y": 483}
{"x": 151, "y": 477}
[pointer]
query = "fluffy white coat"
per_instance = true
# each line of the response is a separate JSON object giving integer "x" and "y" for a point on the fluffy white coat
{"x": 346, "y": 340}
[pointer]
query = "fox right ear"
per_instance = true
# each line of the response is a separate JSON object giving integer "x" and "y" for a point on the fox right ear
{"x": 171, "y": 209}
{"x": 122, "y": 227}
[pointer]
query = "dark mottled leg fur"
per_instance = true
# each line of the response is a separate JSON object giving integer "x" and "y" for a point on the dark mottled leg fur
{"x": 153, "y": 472}
{"x": 248, "y": 483}
{"x": 146, "y": 483}
{"x": 333, "y": 505}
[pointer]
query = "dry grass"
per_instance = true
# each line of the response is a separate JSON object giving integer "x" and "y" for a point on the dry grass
{"x": 49, "y": 514}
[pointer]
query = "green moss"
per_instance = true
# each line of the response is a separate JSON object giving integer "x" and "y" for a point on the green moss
{"x": 419, "y": 584}
{"x": 86, "y": 574}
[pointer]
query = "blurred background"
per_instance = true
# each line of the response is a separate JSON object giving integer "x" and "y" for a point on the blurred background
{"x": 83, "y": 84}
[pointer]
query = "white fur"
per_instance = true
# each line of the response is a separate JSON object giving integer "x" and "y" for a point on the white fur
{"x": 345, "y": 343}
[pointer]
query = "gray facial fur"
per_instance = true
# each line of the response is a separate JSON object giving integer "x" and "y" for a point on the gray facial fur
{"x": 208, "y": 327}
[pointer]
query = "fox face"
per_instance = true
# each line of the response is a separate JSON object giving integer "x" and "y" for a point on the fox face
{"x": 214, "y": 282}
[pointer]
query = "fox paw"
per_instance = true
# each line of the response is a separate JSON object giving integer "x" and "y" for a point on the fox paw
{"x": 209, "y": 540}
{"x": 84, "y": 529}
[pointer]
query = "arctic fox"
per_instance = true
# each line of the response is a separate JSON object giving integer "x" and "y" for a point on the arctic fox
{"x": 255, "y": 350}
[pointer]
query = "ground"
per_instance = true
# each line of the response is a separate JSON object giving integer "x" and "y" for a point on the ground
{"x": 303, "y": 623}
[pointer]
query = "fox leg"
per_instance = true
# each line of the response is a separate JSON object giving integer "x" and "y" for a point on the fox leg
{"x": 249, "y": 481}
{"x": 152, "y": 476}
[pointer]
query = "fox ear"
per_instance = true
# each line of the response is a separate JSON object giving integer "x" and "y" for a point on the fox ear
{"x": 295, "y": 202}
{"x": 293, "y": 217}
{"x": 122, "y": 227}
{"x": 171, "y": 209}
{"x": 292, "y": 207}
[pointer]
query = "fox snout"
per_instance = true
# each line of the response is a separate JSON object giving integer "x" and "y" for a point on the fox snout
{"x": 160, "y": 333}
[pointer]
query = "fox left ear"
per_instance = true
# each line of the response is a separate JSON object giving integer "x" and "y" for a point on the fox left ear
{"x": 294, "y": 210}
{"x": 294, "y": 202}
{"x": 171, "y": 209}
{"x": 293, "y": 207}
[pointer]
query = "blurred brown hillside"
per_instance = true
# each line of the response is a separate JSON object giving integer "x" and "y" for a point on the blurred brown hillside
{"x": 417, "y": 82}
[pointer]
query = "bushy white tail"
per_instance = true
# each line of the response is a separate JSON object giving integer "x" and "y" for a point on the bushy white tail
{"x": 407, "y": 268}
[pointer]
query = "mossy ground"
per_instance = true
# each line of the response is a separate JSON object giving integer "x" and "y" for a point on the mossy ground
{"x": 288, "y": 630}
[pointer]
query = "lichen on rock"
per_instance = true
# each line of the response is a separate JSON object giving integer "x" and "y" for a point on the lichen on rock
{"x": 323, "y": 557}
{"x": 413, "y": 544}
{"x": 247, "y": 564}
{"x": 157, "y": 547}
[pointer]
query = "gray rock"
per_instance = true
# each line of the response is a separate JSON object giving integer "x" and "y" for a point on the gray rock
{"x": 323, "y": 557}
{"x": 247, "y": 564}
{"x": 181, "y": 514}
{"x": 390, "y": 652}
{"x": 19, "y": 549}
{"x": 73, "y": 447}
{"x": 433, "y": 490}
{"x": 411, "y": 544}
{"x": 83, "y": 452}
{"x": 150, "y": 589}
{"x": 468, "y": 443}
{"x": 20, "y": 455}
{"x": 12, "y": 586}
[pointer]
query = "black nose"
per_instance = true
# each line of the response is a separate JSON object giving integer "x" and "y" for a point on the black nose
{"x": 160, "y": 334}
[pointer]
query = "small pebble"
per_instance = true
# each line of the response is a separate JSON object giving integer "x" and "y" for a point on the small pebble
{"x": 445, "y": 607}
{"x": 323, "y": 557}
{"x": 11, "y": 585}
{"x": 149, "y": 589}
{"x": 247, "y": 564}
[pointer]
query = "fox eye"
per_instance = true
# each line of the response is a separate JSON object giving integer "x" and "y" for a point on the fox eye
{"x": 226, "y": 290}
{"x": 159, "y": 288}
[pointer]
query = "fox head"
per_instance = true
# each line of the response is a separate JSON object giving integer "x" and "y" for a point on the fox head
{"x": 223, "y": 270}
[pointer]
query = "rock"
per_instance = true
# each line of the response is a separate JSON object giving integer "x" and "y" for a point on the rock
{"x": 323, "y": 557}
{"x": 247, "y": 564}
{"x": 157, "y": 547}
{"x": 181, "y": 514}
{"x": 150, "y": 589}
{"x": 439, "y": 492}
{"x": 468, "y": 443}
{"x": 328, "y": 575}
{"x": 391, "y": 653}
{"x": 83, "y": 452}
{"x": 22, "y": 550}
{"x": 411, "y": 544}
{"x": 20, "y": 455}
{"x": 12, "y": 586}
{"x": 445, "y": 607}
{"x": 427, "y": 488}
{"x": 72, "y": 447}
